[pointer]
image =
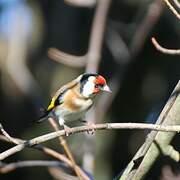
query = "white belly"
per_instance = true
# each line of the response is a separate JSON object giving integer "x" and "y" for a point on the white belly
{"x": 69, "y": 116}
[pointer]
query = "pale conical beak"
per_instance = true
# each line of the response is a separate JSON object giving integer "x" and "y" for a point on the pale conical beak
{"x": 106, "y": 88}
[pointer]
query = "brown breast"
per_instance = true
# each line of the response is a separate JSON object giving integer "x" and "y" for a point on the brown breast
{"x": 72, "y": 96}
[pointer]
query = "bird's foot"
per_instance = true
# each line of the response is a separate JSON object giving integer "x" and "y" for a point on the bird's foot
{"x": 67, "y": 130}
{"x": 91, "y": 126}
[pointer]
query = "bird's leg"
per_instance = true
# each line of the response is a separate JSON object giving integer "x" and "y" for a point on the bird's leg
{"x": 67, "y": 130}
{"x": 91, "y": 125}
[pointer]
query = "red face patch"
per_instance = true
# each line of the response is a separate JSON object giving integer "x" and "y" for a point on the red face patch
{"x": 100, "y": 80}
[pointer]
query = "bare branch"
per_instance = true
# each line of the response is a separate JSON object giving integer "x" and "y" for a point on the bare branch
{"x": 113, "y": 40}
{"x": 22, "y": 164}
{"x": 149, "y": 149}
{"x": 3, "y": 138}
{"x": 164, "y": 50}
{"x": 60, "y": 174}
{"x": 97, "y": 34}
{"x": 171, "y": 152}
{"x": 153, "y": 14}
{"x": 81, "y": 3}
{"x": 123, "y": 55}
{"x": 67, "y": 59}
{"x": 95, "y": 42}
{"x": 79, "y": 129}
{"x": 176, "y": 2}
{"x": 13, "y": 140}
{"x": 96, "y": 38}
{"x": 46, "y": 150}
{"x": 156, "y": 44}
{"x": 172, "y": 9}
{"x": 67, "y": 150}
{"x": 92, "y": 65}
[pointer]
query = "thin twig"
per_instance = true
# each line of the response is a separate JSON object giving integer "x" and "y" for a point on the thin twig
{"x": 177, "y": 3}
{"x": 92, "y": 65}
{"x": 92, "y": 57}
{"x": 172, "y": 9}
{"x": 7, "y": 135}
{"x": 62, "y": 141}
{"x": 162, "y": 140}
{"x": 44, "y": 149}
{"x": 67, "y": 150}
{"x": 93, "y": 54}
{"x": 79, "y": 129}
{"x": 66, "y": 58}
{"x": 153, "y": 14}
{"x": 124, "y": 55}
{"x": 81, "y": 3}
{"x": 6, "y": 168}
{"x": 97, "y": 35}
{"x": 164, "y": 116}
{"x": 60, "y": 174}
{"x": 164, "y": 50}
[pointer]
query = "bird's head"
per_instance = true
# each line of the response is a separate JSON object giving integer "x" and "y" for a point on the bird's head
{"x": 91, "y": 84}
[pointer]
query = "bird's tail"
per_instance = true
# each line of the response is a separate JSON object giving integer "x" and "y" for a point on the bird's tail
{"x": 43, "y": 115}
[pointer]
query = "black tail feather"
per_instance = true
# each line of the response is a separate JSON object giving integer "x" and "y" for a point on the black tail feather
{"x": 43, "y": 115}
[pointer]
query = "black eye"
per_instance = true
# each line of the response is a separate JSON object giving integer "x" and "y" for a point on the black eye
{"x": 96, "y": 85}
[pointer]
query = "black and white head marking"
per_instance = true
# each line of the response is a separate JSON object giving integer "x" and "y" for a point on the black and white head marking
{"x": 87, "y": 84}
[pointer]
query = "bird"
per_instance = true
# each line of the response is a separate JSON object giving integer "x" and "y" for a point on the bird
{"x": 74, "y": 99}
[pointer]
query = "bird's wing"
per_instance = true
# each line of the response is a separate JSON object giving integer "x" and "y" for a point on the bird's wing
{"x": 57, "y": 99}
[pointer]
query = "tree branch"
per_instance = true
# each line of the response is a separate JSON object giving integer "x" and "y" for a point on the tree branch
{"x": 66, "y": 148}
{"x": 164, "y": 50}
{"x": 81, "y": 3}
{"x": 177, "y": 3}
{"x": 172, "y": 8}
{"x": 149, "y": 151}
{"x": 79, "y": 129}
{"x": 92, "y": 57}
{"x": 172, "y": 153}
{"x": 44, "y": 149}
{"x": 13, "y": 140}
{"x": 66, "y": 58}
{"x": 6, "y": 168}
{"x": 92, "y": 65}
{"x": 97, "y": 35}
{"x": 154, "y": 12}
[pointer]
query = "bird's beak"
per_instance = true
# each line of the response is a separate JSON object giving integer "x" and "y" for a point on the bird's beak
{"x": 106, "y": 88}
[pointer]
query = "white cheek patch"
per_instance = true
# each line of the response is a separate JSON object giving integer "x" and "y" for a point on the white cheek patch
{"x": 89, "y": 87}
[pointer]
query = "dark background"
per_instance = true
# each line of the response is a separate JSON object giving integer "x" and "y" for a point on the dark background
{"x": 146, "y": 79}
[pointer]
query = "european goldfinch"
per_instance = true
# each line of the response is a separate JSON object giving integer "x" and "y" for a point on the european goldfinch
{"x": 75, "y": 98}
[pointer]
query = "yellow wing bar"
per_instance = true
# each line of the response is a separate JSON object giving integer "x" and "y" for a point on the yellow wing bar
{"x": 52, "y": 104}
